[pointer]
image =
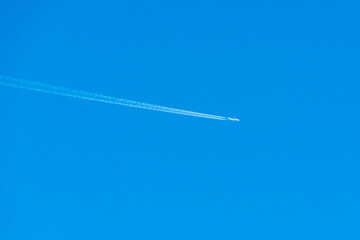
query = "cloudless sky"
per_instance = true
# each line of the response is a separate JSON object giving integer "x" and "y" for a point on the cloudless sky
{"x": 74, "y": 169}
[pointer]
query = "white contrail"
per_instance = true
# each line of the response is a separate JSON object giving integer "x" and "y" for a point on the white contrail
{"x": 47, "y": 88}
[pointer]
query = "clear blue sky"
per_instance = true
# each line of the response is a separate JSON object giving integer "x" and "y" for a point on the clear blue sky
{"x": 74, "y": 169}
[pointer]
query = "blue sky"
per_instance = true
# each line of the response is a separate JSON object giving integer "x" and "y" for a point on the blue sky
{"x": 74, "y": 169}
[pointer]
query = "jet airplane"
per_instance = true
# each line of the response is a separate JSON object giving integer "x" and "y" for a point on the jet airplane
{"x": 233, "y": 119}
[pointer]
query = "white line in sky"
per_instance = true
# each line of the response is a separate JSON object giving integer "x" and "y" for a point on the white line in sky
{"x": 47, "y": 88}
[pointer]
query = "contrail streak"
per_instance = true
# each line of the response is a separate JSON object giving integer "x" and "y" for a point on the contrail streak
{"x": 47, "y": 88}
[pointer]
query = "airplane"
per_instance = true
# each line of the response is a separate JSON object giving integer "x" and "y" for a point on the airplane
{"x": 233, "y": 119}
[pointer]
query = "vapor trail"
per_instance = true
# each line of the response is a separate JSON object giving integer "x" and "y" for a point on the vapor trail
{"x": 47, "y": 88}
